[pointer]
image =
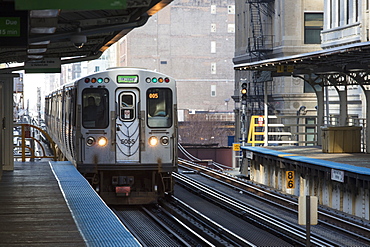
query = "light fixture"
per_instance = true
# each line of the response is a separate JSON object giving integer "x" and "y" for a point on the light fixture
{"x": 36, "y": 50}
{"x": 356, "y": 67}
{"x": 43, "y": 30}
{"x": 46, "y": 42}
{"x": 35, "y": 56}
{"x": 90, "y": 141}
{"x": 325, "y": 70}
{"x": 102, "y": 141}
{"x": 153, "y": 141}
{"x": 78, "y": 39}
{"x": 44, "y": 13}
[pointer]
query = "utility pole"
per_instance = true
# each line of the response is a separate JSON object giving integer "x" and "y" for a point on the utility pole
{"x": 243, "y": 92}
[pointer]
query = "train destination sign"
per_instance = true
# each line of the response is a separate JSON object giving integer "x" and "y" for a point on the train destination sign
{"x": 127, "y": 79}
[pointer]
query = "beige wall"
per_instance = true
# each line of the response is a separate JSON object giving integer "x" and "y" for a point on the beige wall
{"x": 179, "y": 41}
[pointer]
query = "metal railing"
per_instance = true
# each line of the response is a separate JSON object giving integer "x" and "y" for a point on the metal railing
{"x": 27, "y": 143}
{"x": 297, "y": 130}
{"x": 283, "y": 130}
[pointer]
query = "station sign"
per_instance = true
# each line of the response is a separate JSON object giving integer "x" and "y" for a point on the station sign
{"x": 47, "y": 65}
{"x": 289, "y": 175}
{"x": 13, "y": 27}
{"x": 70, "y": 4}
{"x": 337, "y": 175}
{"x": 236, "y": 147}
{"x": 260, "y": 121}
{"x": 10, "y": 26}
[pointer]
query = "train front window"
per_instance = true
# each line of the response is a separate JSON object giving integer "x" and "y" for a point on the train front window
{"x": 95, "y": 108}
{"x": 127, "y": 106}
{"x": 159, "y": 107}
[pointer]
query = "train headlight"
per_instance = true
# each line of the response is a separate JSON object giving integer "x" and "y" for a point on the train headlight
{"x": 102, "y": 141}
{"x": 90, "y": 141}
{"x": 153, "y": 141}
{"x": 164, "y": 140}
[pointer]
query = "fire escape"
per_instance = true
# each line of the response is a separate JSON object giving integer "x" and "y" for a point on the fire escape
{"x": 260, "y": 45}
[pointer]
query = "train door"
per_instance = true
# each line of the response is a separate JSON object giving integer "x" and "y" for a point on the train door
{"x": 127, "y": 126}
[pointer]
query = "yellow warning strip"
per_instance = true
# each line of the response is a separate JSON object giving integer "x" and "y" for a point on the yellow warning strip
{"x": 282, "y": 155}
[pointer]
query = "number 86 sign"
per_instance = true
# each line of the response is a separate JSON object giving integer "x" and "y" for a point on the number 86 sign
{"x": 289, "y": 175}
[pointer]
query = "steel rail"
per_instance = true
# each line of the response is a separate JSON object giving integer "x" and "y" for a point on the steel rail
{"x": 291, "y": 202}
{"x": 259, "y": 216}
{"x": 219, "y": 229}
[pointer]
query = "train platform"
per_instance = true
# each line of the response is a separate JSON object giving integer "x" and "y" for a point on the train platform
{"x": 351, "y": 162}
{"x": 51, "y": 204}
{"x": 340, "y": 181}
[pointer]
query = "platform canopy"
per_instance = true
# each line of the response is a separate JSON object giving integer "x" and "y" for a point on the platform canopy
{"x": 68, "y": 30}
{"x": 338, "y": 67}
{"x": 343, "y": 59}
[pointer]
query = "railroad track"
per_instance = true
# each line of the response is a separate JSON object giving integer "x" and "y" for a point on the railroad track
{"x": 278, "y": 226}
{"x": 212, "y": 233}
{"x": 154, "y": 226}
{"x": 175, "y": 223}
{"x": 350, "y": 227}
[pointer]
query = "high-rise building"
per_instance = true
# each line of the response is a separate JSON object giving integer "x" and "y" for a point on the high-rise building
{"x": 192, "y": 41}
{"x": 267, "y": 29}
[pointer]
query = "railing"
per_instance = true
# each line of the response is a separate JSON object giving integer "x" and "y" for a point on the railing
{"x": 296, "y": 130}
{"x": 26, "y": 145}
{"x": 283, "y": 130}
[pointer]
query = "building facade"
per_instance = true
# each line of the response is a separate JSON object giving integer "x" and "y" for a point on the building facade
{"x": 267, "y": 29}
{"x": 193, "y": 41}
{"x": 346, "y": 22}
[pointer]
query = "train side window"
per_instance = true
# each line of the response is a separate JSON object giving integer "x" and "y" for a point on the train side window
{"x": 159, "y": 107}
{"x": 95, "y": 108}
{"x": 127, "y": 106}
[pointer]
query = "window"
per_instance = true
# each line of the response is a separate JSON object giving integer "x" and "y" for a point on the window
{"x": 231, "y": 28}
{"x": 310, "y": 137}
{"x": 127, "y": 106}
{"x": 338, "y": 13}
{"x": 213, "y": 9}
{"x": 213, "y": 28}
{"x": 313, "y": 23}
{"x": 95, "y": 108}
{"x": 213, "y": 46}
{"x": 159, "y": 107}
{"x": 213, "y": 90}
{"x": 213, "y": 68}
{"x": 347, "y": 12}
{"x": 231, "y": 9}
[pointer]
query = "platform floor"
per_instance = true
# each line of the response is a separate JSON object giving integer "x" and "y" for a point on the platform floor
{"x": 52, "y": 204}
{"x": 355, "y": 159}
{"x": 33, "y": 211}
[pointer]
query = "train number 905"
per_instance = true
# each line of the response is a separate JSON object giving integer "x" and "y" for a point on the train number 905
{"x": 153, "y": 96}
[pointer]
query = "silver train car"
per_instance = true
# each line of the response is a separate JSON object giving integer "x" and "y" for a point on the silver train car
{"x": 119, "y": 128}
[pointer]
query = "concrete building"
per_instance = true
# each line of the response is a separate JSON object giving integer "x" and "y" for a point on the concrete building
{"x": 269, "y": 29}
{"x": 193, "y": 41}
{"x": 346, "y": 22}
{"x": 282, "y": 36}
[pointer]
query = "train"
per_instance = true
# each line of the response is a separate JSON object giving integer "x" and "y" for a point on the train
{"x": 119, "y": 128}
